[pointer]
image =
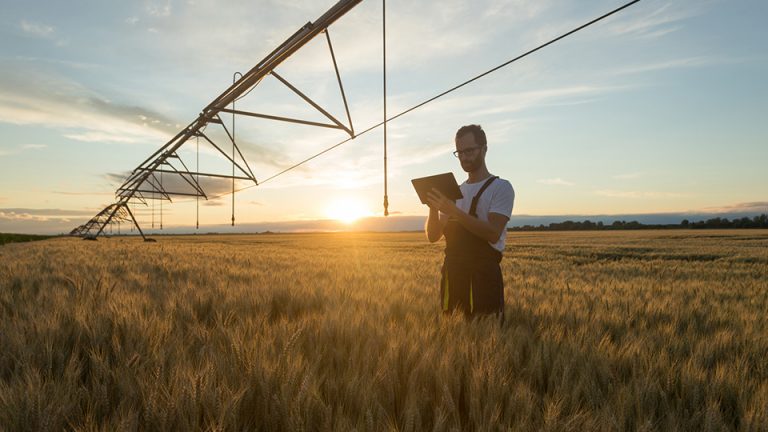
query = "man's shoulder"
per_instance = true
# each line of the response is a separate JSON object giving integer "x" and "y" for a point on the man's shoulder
{"x": 504, "y": 185}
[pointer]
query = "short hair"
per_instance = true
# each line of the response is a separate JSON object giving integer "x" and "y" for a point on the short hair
{"x": 477, "y": 132}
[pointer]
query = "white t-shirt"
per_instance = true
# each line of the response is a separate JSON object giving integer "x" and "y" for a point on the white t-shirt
{"x": 498, "y": 197}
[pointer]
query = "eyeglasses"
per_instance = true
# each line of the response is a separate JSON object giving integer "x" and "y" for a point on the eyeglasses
{"x": 467, "y": 152}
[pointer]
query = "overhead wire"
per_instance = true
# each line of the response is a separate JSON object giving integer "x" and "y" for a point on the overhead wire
{"x": 433, "y": 98}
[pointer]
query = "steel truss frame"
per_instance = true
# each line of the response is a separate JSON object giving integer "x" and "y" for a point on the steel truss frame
{"x": 145, "y": 181}
{"x": 113, "y": 214}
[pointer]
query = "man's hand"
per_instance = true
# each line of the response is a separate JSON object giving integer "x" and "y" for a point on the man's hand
{"x": 490, "y": 230}
{"x": 437, "y": 201}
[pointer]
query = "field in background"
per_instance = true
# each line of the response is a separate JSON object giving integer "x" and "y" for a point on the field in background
{"x": 663, "y": 330}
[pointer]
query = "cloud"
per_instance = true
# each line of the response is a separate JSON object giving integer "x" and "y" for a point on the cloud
{"x": 42, "y": 221}
{"x": 655, "y": 22}
{"x": 666, "y": 65}
{"x": 34, "y": 146}
{"x": 555, "y": 181}
{"x": 754, "y": 206}
{"x": 41, "y": 31}
{"x": 508, "y": 102}
{"x": 638, "y": 194}
{"x": 36, "y": 29}
{"x": 628, "y": 176}
{"x": 27, "y": 213}
{"x": 454, "y": 28}
{"x": 346, "y": 167}
{"x": 175, "y": 183}
{"x": 214, "y": 203}
{"x": 21, "y": 149}
{"x": 40, "y": 99}
{"x": 51, "y": 61}
{"x": 50, "y": 101}
{"x": 82, "y": 193}
{"x": 159, "y": 10}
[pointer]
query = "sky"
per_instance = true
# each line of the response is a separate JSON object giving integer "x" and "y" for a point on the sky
{"x": 659, "y": 109}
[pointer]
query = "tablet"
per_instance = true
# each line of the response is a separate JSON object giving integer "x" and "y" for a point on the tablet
{"x": 445, "y": 183}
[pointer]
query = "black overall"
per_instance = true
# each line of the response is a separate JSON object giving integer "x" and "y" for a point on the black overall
{"x": 471, "y": 276}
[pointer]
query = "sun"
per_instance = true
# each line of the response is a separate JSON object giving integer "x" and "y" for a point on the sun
{"x": 346, "y": 210}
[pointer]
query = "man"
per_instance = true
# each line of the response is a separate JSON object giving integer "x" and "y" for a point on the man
{"x": 475, "y": 231}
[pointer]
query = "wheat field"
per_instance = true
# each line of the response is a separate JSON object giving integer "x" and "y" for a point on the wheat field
{"x": 604, "y": 331}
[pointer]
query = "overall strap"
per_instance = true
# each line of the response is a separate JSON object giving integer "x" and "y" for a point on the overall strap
{"x": 473, "y": 208}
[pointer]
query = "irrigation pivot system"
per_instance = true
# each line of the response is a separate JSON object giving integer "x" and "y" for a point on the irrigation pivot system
{"x": 164, "y": 174}
{"x": 145, "y": 183}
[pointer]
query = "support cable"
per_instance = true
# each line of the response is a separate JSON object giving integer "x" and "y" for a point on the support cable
{"x": 433, "y": 98}
{"x": 452, "y": 89}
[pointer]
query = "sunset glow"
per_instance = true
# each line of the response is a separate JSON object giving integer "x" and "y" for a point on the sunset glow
{"x": 78, "y": 118}
{"x": 347, "y": 210}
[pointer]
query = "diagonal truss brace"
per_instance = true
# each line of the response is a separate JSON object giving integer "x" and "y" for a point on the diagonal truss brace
{"x": 112, "y": 214}
{"x": 142, "y": 184}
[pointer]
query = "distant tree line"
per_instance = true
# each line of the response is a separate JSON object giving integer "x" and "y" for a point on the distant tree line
{"x": 587, "y": 225}
{"x": 18, "y": 238}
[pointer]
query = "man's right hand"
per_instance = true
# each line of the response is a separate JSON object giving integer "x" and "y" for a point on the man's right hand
{"x": 436, "y": 200}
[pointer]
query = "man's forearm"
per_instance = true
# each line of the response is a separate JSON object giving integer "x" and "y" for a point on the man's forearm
{"x": 433, "y": 227}
{"x": 478, "y": 227}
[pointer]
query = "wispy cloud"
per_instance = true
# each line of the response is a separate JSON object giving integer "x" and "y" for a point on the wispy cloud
{"x": 418, "y": 33}
{"x": 71, "y": 193}
{"x": 36, "y": 29}
{"x": 21, "y": 149}
{"x": 638, "y": 194}
{"x": 42, "y": 31}
{"x": 628, "y": 176}
{"x": 218, "y": 202}
{"x": 22, "y": 213}
{"x": 171, "y": 183}
{"x": 83, "y": 114}
{"x": 746, "y": 207}
{"x": 34, "y": 146}
{"x": 42, "y": 221}
{"x": 667, "y": 65}
{"x": 555, "y": 181}
{"x": 509, "y": 102}
{"x": 50, "y": 101}
{"x": 654, "y": 22}
{"x": 159, "y": 9}
{"x": 50, "y": 61}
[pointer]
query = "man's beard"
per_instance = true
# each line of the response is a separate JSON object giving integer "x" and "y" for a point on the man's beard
{"x": 471, "y": 165}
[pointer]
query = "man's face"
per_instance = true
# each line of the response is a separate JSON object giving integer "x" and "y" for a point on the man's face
{"x": 471, "y": 155}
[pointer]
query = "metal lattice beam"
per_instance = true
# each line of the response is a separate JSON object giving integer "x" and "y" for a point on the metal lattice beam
{"x": 143, "y": 183}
